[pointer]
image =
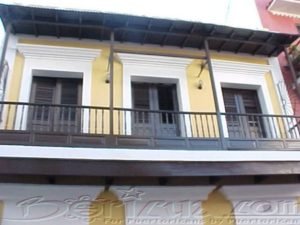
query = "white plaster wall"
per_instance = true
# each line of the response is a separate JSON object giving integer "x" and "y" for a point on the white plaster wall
{"x": 53, "y": 204}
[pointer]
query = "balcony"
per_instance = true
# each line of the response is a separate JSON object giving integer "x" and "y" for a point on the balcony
{"x": 103, "y": 127}
{"x": 289, "y": 8}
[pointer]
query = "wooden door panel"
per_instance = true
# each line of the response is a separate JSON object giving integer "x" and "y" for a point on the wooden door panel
{"x": 59, "y": 118}
{"x": 154, "y": 97}
{"x": 243, "y": 102}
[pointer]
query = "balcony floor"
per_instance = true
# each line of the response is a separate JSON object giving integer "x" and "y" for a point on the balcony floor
{"x": 12, "y": 137}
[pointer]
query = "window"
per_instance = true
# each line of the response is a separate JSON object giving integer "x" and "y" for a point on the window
{"x": 55, "y": 100}
{"x": 162, "y": 97}
{"x": 243, "y": 122}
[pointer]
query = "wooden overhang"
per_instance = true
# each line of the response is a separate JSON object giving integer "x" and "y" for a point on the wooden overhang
{"x": 141, "y": 30}
{"x": 107, "y": 172}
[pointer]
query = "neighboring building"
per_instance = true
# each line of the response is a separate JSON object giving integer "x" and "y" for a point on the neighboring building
{"x": 119, "y": 119}
{"x": 284, "y": 16}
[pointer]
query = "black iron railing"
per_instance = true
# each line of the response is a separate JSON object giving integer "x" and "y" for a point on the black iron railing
{"x": 139, "y": 127}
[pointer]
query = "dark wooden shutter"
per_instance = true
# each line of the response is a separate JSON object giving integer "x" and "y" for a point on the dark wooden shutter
{"x": 241, "y": 101}
{"x": 69, "y": 117}
{"x": 155, "y": 97}
{"x": 43, "y": 90}
{"x": 43, "y": 93}
{"x": 244, "y": 102}
{"x": 70, "y": 91}
{"x": 58, "y": 91}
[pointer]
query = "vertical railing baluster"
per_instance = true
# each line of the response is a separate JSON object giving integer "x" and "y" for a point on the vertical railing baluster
{"x": 231, "y": 126}
{"x": 152, "y": 120}
{"x": 82, "y": 119}
{"x": 274, "y": 127}
{"x": 191, "y": 125}
{"x": 269, "y": 127}
{"x": 69, "y": 119}
{"x": 184, "y": 125}
{"x": 207, "y": 124}
{"x": 202, "y": 126}
{"x": 293, "y": 130}
{"x": 61, "y": 118}
{"x": 286, "y": 127}
{"x": 96, "y": 120}
{"x": 255, "y": 128}
{"x": 125, "y": 120}
{"x": 102, "y": 120}
{"x": 22, "y": 115}
{"x": 196, "y": 122}
{"x": 281, "y": 136}
{"x": 213, "y": 122}
{"x": 8, "y": 116}
{"x": 245, "y": 125}
{"x": 260, "y": 130}
{"x": 143, "y": 123}
{"x": 119, "y": 122}
{"x": 15, "y": 115}
{"x": 42, "y": 121}
{"x": 89, "y": 123}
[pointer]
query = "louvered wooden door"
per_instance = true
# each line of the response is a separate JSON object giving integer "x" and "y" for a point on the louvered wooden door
{"x": 41, "y": 117}
{"x": 155, "y": 97}
{"x": 244, "y": 104}
{"x": 57, "y": 98}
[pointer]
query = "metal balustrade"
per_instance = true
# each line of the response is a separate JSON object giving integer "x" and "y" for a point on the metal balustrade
{"x": 71, "y": 125}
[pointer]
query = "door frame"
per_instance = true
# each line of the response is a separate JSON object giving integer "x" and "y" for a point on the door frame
{"x": 155, "y": 125}
{"x": 68, "y": 61}
{"x": 54, "y": 113}
{"x": 251, "y": 76}
{"x": 155, "y": 69}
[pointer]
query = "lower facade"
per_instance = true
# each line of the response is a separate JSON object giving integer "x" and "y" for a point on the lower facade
{"x": 199, "y": 204}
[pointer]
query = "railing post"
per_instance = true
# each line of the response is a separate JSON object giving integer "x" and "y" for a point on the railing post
{"x": 4, "y": 49}
{"x": 2, "y": 64}
{"x": 111, "y": 83}
{"x": 213, "y": 85}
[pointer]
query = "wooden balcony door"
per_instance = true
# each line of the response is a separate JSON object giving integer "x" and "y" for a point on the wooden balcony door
{"x": 162, "y": 97}
{"x": 59, "y": 92}
{"x": 243, "y": 102}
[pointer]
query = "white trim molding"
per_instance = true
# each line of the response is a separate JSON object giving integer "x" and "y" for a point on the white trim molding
{"x": 254, "y": 192}
{"x": 55, "y": 61}
{"x": 240, "y": 67}
{"x": 279, "y": 80}
{"x": 241, "y": 75}
{"x": 183, "y": 155}
{"x": 155, "y": 69}
{"x": 264, "y": 204}
{"x": 48, "y": 52}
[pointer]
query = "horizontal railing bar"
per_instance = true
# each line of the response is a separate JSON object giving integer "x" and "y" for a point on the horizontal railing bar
{"x": 53, "y": 105}
{"x": 163, "y": 111}
{"x": 149, "y": 111}
{"x": 259, "y": 114}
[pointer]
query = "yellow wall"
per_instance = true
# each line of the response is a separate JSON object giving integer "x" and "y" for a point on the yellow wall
{"x": 200, "y": 100}
{"x": 1, "y": 211}
{"x": 281, "y": 132}
{"x": 107, "y": 209}
{"x": 217, "y": 209}
{"x": 14, "y": 91}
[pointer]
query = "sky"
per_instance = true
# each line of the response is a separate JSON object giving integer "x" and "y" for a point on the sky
{"x": 237, "y": 13}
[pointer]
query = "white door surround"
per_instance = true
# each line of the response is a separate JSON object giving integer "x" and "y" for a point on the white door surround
{"x": 154, "y": 69}
{"x": 68, "y": 61}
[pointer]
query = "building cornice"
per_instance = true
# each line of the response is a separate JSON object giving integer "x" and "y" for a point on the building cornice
{"x": 58, "y": 52}
{"x": 240, "y": 67}
{"x": 154, "y": 61}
